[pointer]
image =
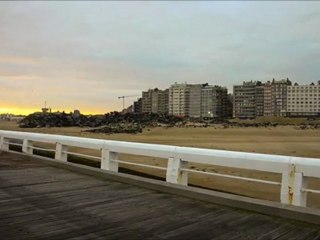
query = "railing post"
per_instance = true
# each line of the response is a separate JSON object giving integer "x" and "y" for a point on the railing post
{"x": 292, "y": 187}
{"x": 3, "y": 145}
{"x": 27, "y": 146}
{"x": 107, "y": 160}
{"x": 61, "y": 152}
{"x": 174, "y": 173}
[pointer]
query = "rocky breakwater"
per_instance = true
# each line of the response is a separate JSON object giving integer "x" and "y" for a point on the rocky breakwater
{"x": 109, "y": 123}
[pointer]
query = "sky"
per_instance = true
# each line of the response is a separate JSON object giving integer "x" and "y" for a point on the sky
{"x": 83, "y": 55}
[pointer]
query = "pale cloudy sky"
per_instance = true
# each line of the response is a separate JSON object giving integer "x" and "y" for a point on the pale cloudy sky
{"x": 85, "y": 54}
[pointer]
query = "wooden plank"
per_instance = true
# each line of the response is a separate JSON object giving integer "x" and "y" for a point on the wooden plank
{"x": 37, "y": 201}
{"x": 48, "y": 189}
{"x": 74, "y": 199}
{"x": 300, "y": 233}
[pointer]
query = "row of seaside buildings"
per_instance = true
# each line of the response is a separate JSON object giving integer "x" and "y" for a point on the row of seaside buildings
{"x": 250, "y": 100}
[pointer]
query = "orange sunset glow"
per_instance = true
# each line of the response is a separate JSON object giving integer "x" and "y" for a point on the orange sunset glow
{"x": 26, "y": 111}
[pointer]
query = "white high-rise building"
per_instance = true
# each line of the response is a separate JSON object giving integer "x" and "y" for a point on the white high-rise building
{"x": 179, "y": 99}
{"x": 303, "y": 100}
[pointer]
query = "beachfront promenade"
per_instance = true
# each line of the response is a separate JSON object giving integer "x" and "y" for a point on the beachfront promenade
{"x": 44, "y": 198}
{"x": 39, "y": 200}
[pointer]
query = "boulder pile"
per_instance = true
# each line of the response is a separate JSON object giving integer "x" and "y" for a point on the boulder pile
{"x": 113, "y": 122}
{"x": 116, "y": 122}
{"x": 58, "y": 119}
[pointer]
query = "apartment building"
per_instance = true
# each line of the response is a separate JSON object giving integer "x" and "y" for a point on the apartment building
{"x": 137, "y": 106}
{"x": 244, "y": 100}
{"x": 267, "y": 99}
{"x": 198, "y": 101}
{"x": 259, "y": 99}
{"x": 303, "y": 100}
{"x": 160, "y": 101}
{"x": 194, "y": 101}
{"x": 254, "y": 99}
{"x": 208, "y": 105}
{"x": 249, "y": 100}
{"x": 179, "y": 99}
{"x": 155, "y": 101}
{"x": 146, "y": 101}
{"x": 279, "y": 97}
{"x": 215, "y": 102}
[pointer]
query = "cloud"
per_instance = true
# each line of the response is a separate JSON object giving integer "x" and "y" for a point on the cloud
{"x": 17, "y": 60}
{"x": 83, "y": 55}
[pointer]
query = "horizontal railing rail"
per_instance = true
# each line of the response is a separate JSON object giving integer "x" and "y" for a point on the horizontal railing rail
{"x": 294, "y": 170}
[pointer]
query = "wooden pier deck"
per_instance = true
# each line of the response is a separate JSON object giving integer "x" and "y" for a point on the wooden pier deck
{"x": 40, "y": 201}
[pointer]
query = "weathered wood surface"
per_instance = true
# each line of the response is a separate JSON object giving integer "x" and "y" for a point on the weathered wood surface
{"x": 38, "y": 201}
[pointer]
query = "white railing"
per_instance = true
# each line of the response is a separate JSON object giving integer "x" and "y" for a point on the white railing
{"x": 294, "y": 170}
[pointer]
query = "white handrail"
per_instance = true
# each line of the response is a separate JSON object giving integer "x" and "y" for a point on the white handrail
{"x": 293, "y": 169}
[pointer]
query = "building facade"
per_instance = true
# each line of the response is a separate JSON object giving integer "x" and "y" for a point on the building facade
{"x": 259, "y": 99}
{"x": 194, "y": 101}
{"x": 155, "y": 101}
{"x": 179, "y": 99}
{"x": 160, "y": 101}
{"x": 137, "y": 106}
{"x": 244, "y": 100}
{"x": 303, "y": 101}
{"x": 198, "y": 101}
{"x": 279, "y": 97}
{"x": 215, "y": 102}
{"x": 256, "y": 99}
{"x": 267, "y": 99}
{"x": 146, "y": 101}
{"x": 252, "y": 99}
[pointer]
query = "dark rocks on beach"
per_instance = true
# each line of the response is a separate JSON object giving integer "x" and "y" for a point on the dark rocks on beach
{"x": 116, "y": 122}
{"x": 113, "y": 122}
{"x": 47, "y": 120}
